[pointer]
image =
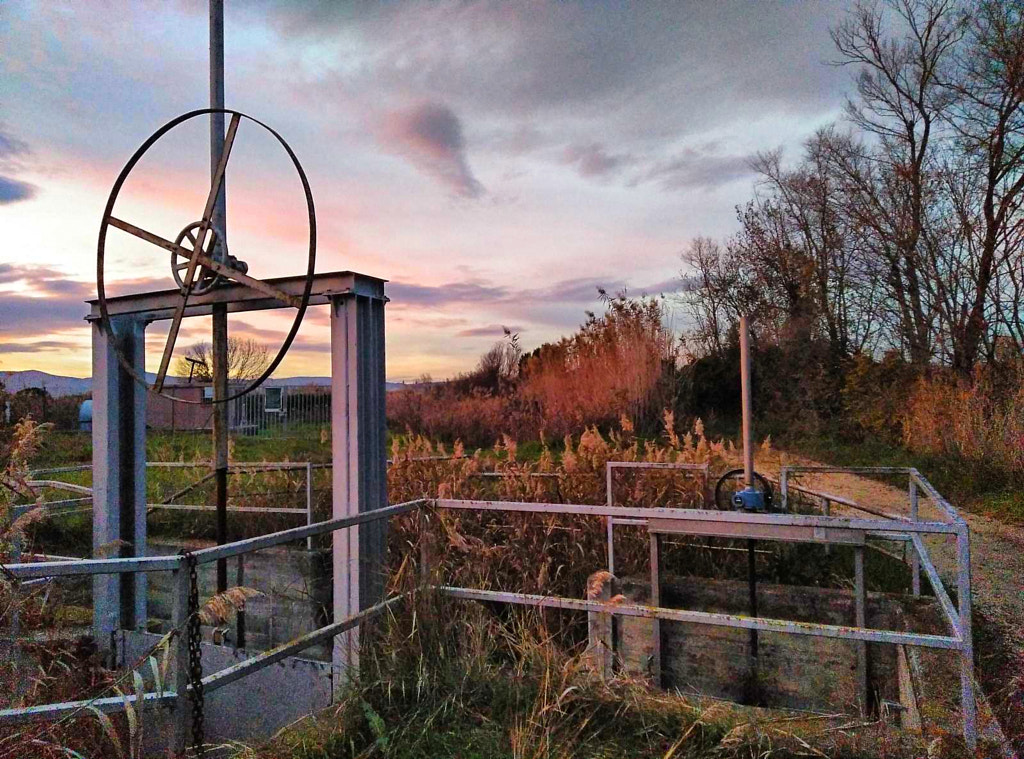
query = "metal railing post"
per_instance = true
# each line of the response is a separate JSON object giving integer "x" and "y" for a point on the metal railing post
{"x": 967, "y": 699}
{"x": 179, "y": 652}
{"x": 608, "y": 519}
{"x": 309, "y": 502}
{"x": 861, "y": 621}
{"x": 784, "y": 488}
{"x": 826, "y": 510}
{"x": 915, "y": 559}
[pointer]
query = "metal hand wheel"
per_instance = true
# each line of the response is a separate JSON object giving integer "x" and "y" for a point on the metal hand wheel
{"x": 193, "y": 267}
{"x": 733, "y": 481}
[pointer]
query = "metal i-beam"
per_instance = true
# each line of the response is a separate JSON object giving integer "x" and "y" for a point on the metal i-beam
{"x": 119, "y": 474}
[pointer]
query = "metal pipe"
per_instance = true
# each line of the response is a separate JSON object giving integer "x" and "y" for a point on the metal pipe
{"x": 748, "y": 441}
{"x": 609, "y": 525}
{"x": 702, "y": 515}
{"x": 921, "y": 552}
{"x": 179, "y": 651}
{"x": 220, "y": 310}
{"x": 915, "y": 559}
{"x": 707, "y": 618}
{"x": 860, "y": 602}
{"x": 967, "y": 701}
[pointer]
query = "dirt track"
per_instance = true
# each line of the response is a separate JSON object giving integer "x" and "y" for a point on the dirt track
{"x": 997, "y": 552}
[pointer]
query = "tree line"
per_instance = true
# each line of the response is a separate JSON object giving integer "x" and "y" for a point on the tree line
{"x": 899, "y": 229}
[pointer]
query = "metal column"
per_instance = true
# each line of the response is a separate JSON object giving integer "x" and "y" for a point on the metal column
{"x": 359, "y": 456}
{"x": 220, "y": 310}
{"x": 968, "y": 703}
{"x": 860, "y": 601}
{"x": 119, "y": 475}
{"x": 915, "y": 560}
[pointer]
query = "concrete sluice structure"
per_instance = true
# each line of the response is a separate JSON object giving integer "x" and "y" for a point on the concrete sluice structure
{"x": 296, "y": 597}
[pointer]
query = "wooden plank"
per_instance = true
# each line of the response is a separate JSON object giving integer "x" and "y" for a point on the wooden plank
{"x": 758, "y": 531}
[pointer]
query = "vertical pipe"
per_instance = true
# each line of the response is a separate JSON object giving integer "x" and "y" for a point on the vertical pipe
{"x": 752, "y": 587}
{"x": 967, "y": 700}
{"x": 826, "y": 509}
{"x": 608, "y": 520}
{"x": 860, "y": 591}
{"x": 656, "y": 601}
{"x": 309, "y": 502}
{"x": 915, "y": 559}
{"x": 179, "y": 653}
{"x": 748, "y": 443}
{"x": 748, "y": 467}
{"x": 220, "y": 310}
{"x": 240, "y": 582}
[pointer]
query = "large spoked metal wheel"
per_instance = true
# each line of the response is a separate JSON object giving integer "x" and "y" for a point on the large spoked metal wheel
{"x": 733, "y": 481}
{"x": 194, "y": 270}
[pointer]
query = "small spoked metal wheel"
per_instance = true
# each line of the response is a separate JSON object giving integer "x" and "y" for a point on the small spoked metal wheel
{"x": 199, "y": 260}
{"x": 733, "y": 482}
{"x": 184, "y": 245}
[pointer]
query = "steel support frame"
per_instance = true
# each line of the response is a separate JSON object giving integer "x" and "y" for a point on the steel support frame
{"x": 119, "y": 474}
{"x": 359, "y": 455}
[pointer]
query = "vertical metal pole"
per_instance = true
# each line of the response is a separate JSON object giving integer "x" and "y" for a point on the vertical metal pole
{"x": 748, "y": 442}
{"x": 860, "y": 591}
{"x": 656, "y": 601}
{"x": 784, "y": 488}
{"x": 240, "y": 582}
{"x": 179, "y": 654}
{"x": 608, "y": 521}
{"x": 968, "y": 703}
{"x": 220, "y": 310}
{"x": 826, "y": 509}
{"x": 748, "y": 467}
{"x": 309, "y": 502}
{"x": 915, "y": 559}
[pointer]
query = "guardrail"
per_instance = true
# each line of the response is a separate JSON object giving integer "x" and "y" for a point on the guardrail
{"x": 175, "y": 697}
{"x": 800, "y": 527}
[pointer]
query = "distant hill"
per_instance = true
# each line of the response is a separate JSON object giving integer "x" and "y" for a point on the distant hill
{"x": 58, "y": 386}
{"x": 55, "y": 385}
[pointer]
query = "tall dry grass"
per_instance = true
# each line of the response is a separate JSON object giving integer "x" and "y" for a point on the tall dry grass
{"x": 621, "y": 363}
{"x": 978, "y": 420}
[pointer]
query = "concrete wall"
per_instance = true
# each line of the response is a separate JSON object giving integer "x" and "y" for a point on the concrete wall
{"x": 250, "y": 709}
{"x": 792, "y": 671}
{"x": 297, "y": 588}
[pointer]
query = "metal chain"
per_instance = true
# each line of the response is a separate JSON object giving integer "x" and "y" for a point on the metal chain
{"x": 195, "y": 655}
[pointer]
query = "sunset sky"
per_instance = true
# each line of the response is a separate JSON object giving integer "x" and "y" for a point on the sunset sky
{"x": 496, "y": 162}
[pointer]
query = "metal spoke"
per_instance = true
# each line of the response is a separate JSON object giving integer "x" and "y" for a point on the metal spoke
{"x": 204, "y": 226}
{"x": 142, "y": 234}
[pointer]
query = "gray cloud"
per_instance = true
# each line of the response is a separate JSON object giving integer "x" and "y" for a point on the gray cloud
{"x": 40, "y": 346}
{"x": 430, "y": 136}
{"x": 593, "y": 160}
{"x": 11, "y": 146}
{"x": 695, "y": 170}
{"x": 662, "y": 67}
{"x": 13, "y": 190}
{"x": 470, "y": 291}
{"x": 491, "y": 330}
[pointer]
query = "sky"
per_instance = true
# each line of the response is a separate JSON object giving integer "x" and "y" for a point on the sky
{"x": 496, "y": 162}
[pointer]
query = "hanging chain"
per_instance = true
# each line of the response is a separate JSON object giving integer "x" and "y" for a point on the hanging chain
{"x": 193, "y": 632}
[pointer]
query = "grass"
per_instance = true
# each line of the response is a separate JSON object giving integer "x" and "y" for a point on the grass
{"x": 448, "y": 679}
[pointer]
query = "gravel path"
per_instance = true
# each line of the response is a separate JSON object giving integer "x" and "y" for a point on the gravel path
{"x": 997, "y": 549}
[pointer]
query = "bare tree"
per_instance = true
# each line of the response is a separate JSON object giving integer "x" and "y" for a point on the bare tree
{"x": 247, "y": 360}
{"x": 988, "y": 176}
{"x": 901, "y": 102}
